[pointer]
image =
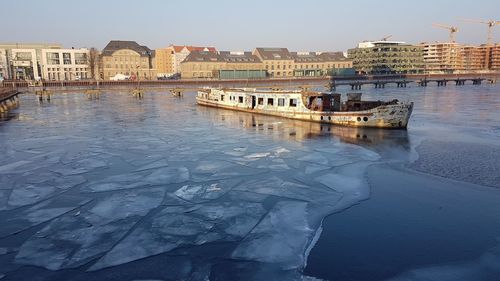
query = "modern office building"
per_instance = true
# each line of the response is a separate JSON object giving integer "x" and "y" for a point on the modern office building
{"x": 65, "y": 64}
{"x": 387, "y": 57}
{"x": 23, "y": 60}
{"x": 128, "y": 58}
{"x": 168, "y": 60}
{"x": 224, "y": 65}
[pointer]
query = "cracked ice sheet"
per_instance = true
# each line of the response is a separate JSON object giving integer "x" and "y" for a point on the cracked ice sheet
{"x": 282, "y": 237}
{"x": 286, "y": 189}
{"x": 74, "y": 239}
{"x": 346, "y": 152}
{"x": 184, "y": 225}
{"x": 41, "y": 213}
{"x": 350, "y": 181}
{"x": 214, "y": 170}
{"x": 23, "y": 194}
{"x": 168, "y": 175}
{"x": 81, "y": 166}
{"x": 198, "y": 193}
{"x": 159, "y": 176}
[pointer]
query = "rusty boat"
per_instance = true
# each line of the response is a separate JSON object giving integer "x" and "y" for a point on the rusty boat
{"x": 323, "y": 107}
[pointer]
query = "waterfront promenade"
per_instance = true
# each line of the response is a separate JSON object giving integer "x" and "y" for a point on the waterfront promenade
{"x": 357, "y": 82}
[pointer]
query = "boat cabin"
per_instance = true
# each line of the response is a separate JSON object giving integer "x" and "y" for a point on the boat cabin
{"x": 319, "y": 101}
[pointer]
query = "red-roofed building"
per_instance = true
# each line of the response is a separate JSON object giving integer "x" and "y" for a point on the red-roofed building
{"x": 168, "y": 60}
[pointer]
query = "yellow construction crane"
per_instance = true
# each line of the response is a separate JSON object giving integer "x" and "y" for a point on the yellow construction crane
{"x": 452, "y": 29}
{"x": 490, "y": 23}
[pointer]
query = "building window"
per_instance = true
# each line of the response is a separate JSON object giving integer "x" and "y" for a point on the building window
{"x": 281, "y": 102}
{"x": 240, "y": 99}
{"x": 52, "y": 58}
{"x": 293, "y": 102}
{"x": 270, "y": 101}
{"x": 67, "y": 58}
{"x": 260, "y": 101}
{"x": 80, "y": 58}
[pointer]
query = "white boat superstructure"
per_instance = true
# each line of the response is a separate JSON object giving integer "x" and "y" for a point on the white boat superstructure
{"x": 324, "y": 107}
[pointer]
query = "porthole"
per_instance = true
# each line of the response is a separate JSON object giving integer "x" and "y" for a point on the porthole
{"x": 329, "y": 118}
{"x": 321, "y": 117}
{"x": 365, "y": 119}
{"x": 359, "y": 119}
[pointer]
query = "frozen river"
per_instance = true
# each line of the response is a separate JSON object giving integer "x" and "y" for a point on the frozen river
{"x": 125, "y": 189}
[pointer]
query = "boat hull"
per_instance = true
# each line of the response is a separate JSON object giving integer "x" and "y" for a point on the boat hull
{"x": 392, "y": 116}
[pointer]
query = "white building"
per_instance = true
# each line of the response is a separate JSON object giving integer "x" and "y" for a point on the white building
{"x": 22, "y": 60}
{"x": 65, "y": 64}
{"x": 23, "y": 63}
{"x": 4, "y": 67}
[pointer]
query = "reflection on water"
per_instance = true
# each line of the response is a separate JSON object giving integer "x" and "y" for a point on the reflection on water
{"x": 297, "y": 130}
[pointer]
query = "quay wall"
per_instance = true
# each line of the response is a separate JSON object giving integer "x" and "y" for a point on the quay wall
{"x": 198, "y": 83}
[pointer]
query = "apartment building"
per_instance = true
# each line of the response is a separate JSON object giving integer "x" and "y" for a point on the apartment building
{"x": 458, "y": 58}
{"x": 224, "y": 64}
{"x": 278, "y": 62}
{"x": 168, "y": 60}
{"x": 128, "y": 58}
{"x": 494, "y": 58}
{"x": 318, "y": 64}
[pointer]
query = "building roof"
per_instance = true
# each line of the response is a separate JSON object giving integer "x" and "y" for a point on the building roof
{"x": 178, "y": 48}
{"x": 202, "y": 56}
{"x": 115, "y": 45}
{"x": 318, "y": 57}
{"x": 222, "y": 56}
{"x": 274, "y": 53}
{"x": 333, "y": 56}
{"x": 239, "y": 57}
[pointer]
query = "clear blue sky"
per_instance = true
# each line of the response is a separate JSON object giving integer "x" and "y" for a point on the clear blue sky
{"x": 242, "y": 25}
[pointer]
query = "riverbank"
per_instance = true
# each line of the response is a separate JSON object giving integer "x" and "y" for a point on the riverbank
{"x": 191, "y": 84}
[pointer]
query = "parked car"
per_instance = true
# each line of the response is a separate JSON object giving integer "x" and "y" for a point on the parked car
{"x": 119, "y": 77}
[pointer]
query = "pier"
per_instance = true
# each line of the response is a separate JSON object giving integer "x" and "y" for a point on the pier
{"x": 178, "y": 87}
{"x": 8, "y": 100}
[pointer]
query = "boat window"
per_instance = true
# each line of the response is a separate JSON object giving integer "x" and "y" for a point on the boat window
{"x": 221, "y": 97}
{"x": 260, "y": 101}
{"x": 293, "y": 102}
{"x": 270, "y": 101}
{"x": 281, "y": 102}
{"x": 240, "y": 99}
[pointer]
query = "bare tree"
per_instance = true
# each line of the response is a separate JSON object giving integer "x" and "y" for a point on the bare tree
{"x": 93, "y": 61}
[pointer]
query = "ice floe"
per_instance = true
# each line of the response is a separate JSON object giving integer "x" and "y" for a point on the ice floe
{"x": 71, "y": 241}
